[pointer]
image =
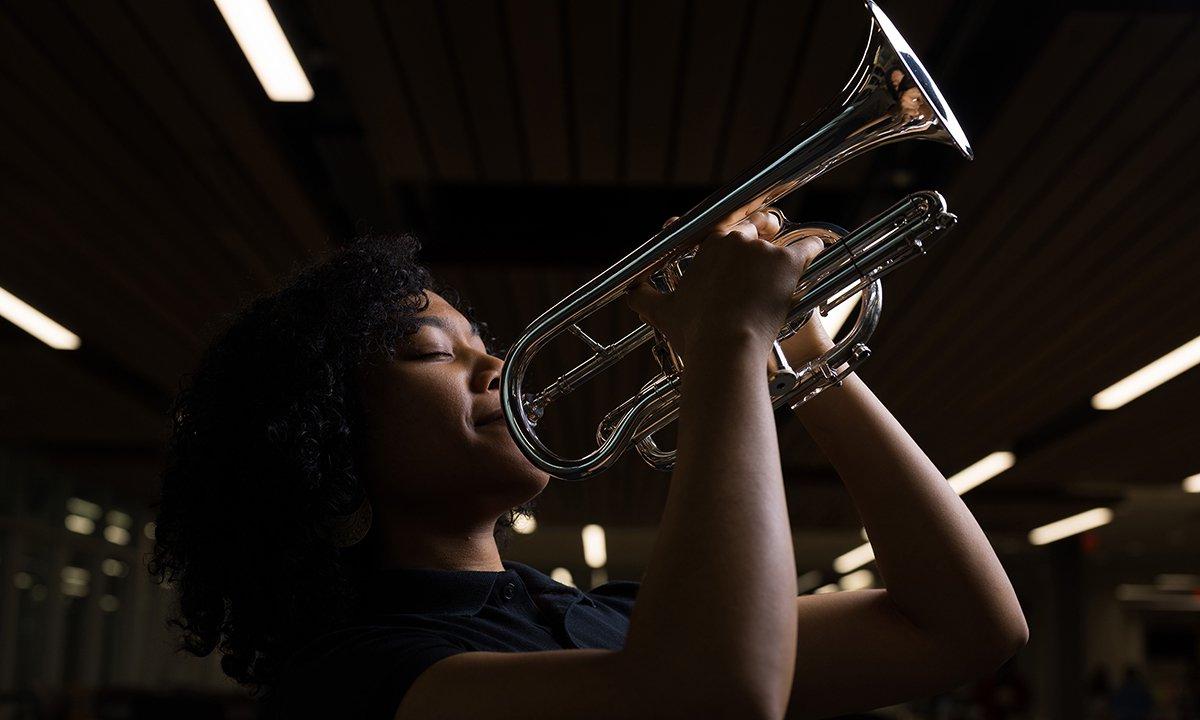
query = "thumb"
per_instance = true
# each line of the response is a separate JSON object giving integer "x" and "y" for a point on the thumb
{"x": 805, "y": 249}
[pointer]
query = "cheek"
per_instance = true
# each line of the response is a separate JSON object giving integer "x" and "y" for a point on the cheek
{"x": 430, "y": 415}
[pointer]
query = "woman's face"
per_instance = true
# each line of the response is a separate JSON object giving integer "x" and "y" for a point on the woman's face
{"x": 431, "y": 447}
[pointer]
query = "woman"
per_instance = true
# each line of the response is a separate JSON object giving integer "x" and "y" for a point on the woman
{"x": 338, "y": 488}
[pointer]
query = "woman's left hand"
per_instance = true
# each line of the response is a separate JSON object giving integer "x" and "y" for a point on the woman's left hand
{"x": 808, "y": 342}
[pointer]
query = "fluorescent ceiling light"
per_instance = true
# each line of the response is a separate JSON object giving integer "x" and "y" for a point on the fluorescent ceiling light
{"x": 24, "y": 316}
{"x": 854, "y": 559}
{"x": 79, "y": 506}
{"x": 257, "y": 31}
{"x": 1179, "y": 582}
{"x": 113, "y": 567}
{"x": 1192, "y": 484}
{"x": 562, "y": 575}
{"x": 1177, "y": 361}
{"x": 981, "y": 471}
{"x": 595, "y": 554}
{"x": 808, "y": 581}
{"x": 80, "y": 524}
{"x": 857, "y": 580}
{"x": 75, "y": 575}
{"x": 116, "y": 535}
{"x": 1070, "y": 526}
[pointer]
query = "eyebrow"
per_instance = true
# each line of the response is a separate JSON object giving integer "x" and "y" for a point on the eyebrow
{"x": 440, "y": 322}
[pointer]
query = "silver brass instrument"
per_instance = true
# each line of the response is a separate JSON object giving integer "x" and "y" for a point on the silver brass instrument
{"x": 868, "y": 114}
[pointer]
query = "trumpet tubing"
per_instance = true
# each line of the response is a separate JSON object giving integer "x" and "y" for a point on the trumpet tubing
{"x": 870, "y": 112}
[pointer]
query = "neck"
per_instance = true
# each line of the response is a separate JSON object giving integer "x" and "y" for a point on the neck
{"x": 421, "y": 543}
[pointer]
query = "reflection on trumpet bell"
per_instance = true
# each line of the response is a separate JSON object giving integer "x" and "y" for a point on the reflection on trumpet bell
{"x": 890, "y": 97}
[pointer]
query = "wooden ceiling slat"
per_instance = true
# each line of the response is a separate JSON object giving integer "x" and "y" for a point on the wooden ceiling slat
{"x": 128, "y": 75}
{"x": 1066, "y": 290}
{"x": 424, "y": 65}
{"x": 1011, "y": 225}
{"x": 58, "y": 400}
{"x": 86, "y": 168}
{"x": 1147, "y": 442}
{"x": 47, "y": 108}
{"x": 480, "y": 54}
{"x": 197, "y": 62}
{"x": 376, "y": 87}
{"x": 244, "y": 210}
{"x": 655, "y": 37}
{"x": 1033, "y": 168}
{"x": 1060, "y": 71}
{"x": 596, "y": 41}
{"x": 28, "y": 175}
{"x": 535, "y": 29}
{"x": 836, "y": 45}
{"x": 781, "y": 27}
{"x": 145, "y": 339}
{"x": 719, "y": 34}
{"x": 107, "y": 274}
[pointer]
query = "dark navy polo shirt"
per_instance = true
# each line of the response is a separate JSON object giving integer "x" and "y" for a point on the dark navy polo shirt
{"x": 412, "y": 618}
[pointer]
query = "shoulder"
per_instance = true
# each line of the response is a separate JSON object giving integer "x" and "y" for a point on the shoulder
{"x": 361, "y": 670}
{"x": 619, "y": 595}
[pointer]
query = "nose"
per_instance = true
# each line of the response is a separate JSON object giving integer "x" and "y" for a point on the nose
{"x": 487, "y": 377}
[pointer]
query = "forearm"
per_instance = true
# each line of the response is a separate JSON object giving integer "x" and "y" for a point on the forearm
{"x": 720, "y": 587}
{"x": 940, "y": 569}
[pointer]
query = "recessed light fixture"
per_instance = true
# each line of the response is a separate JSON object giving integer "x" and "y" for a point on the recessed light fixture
{"x": 857, "y": 580}
{"x": 1179, "y": 360}
{"x": 1069, "y": 526}
{"x": 562, "y": 575}
{"x": 25, "y": 316}
{"x": 981, "y": 471}
{"x": 258, "y": 33}
{"x": 595, "y": 552}
{"x": 854, "y": 559}
{"x": 116, "y": 535}
{"x": 1192, "y": 484}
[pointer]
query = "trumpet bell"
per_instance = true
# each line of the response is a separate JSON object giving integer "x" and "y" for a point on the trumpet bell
{"x": 889, "y": 97}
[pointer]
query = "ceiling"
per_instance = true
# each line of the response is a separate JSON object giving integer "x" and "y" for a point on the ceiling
{"x": 147, "y": 187}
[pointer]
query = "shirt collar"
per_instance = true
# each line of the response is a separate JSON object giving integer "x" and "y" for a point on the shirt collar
{"x": 452, "y": 592}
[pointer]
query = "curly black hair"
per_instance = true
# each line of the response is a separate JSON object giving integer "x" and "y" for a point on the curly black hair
{"x": 263, "y": 455}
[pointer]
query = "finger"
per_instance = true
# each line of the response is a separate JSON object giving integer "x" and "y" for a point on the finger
{"x": 644, "y": 300}
{"x": 805, "y": 249}
{"x": 766, "y": 222}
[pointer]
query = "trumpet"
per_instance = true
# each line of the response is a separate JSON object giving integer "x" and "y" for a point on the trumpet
{"x": 869, "y": 112}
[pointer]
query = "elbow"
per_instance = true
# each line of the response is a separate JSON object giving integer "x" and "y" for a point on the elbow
{"x": 1016, "y": 638}
{"x": 732, "y": 701}
{"x": 745, "y": 706}
{"x": 992, "y": 647}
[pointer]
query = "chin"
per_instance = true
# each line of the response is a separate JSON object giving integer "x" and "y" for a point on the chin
{"x": 520, "y": 473}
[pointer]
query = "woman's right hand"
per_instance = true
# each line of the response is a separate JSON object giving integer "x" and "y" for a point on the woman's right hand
{"x": 739, "y": 285}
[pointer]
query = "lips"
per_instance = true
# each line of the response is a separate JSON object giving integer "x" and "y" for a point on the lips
{"x": 489, "y": 418}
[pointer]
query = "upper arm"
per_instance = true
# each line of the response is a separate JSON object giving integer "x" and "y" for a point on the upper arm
{"x": 856, "y": 651}
{"x": 551, "y": 684}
